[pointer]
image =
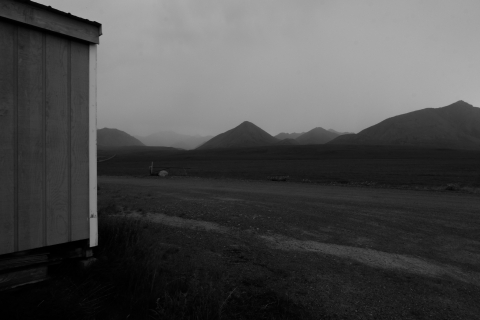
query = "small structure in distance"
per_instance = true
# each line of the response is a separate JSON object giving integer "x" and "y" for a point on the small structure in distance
{"x": 163, "y": 173}
{"x": 157, "y": 171}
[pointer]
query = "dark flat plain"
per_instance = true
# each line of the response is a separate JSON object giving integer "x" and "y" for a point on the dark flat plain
{"x": 373, "y": 165}
{"x": 351, "y": 227}
{"x": 326, "y": 249}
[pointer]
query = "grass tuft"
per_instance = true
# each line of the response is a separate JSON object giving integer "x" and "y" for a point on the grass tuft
{"x": 158, "y": 282}
{"x": 148, "y": 283}
{"x": 138, "y": 277}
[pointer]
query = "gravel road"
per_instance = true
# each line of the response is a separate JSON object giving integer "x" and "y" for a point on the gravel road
{"x": 430, "y": 236}
{"x": 267, "y": 191}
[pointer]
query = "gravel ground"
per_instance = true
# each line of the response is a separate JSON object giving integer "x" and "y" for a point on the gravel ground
{"x": 340, "y": 252}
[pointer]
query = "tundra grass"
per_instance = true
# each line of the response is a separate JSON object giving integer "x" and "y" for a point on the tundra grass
{"x": 136, "y": 277}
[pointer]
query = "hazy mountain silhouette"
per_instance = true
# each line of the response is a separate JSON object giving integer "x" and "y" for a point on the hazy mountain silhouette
{"x": 191, "y": 143}
{"x": 316, "y": 136}
{"x": 284, "y": 135}
{"x": 454, "y": 126}
{"x": 107, "y": 137}
{"x": 287, "y": 142}
{"x": 173, "y": 139}
{"x": 245, "y": 135}
{"x": 338, "y": 132}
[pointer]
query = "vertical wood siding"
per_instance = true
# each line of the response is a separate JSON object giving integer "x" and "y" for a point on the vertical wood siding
{"x": 7, "y": 137}
{"x": 44, "y": 141}
{"x": 79, "y": 140}
{"x": 57, "y": 134}
{"x": 31, "y": 153}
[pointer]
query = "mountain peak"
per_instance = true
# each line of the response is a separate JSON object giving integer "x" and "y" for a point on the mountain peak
{"x": 460, "y": 103}
{"x": 246, "y": 124}
{"x": 246, "y": 134}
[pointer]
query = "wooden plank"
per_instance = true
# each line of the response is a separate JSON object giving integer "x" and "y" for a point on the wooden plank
{"x": 30, "y": 139}
{"x": 79, "y": 140}
{"x": 57, "y": 139}
{"x": 21, "y": 277}
{"x": 22, "y": 261}
{"x": 50, "y": 19}
{"x": 92, "y": 128}
{"x": 7, "y": 137}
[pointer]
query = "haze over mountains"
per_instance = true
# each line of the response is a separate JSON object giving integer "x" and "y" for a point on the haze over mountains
{"x": 173, "y": 139}
{"x": 454, "y": 126}
{"x": 338, "y": 132}
{"x": 284, "y": 135}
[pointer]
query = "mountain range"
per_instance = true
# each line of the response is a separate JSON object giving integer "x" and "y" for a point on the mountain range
{"x": 454, "y": 126}
{"x": 248, "y": 134}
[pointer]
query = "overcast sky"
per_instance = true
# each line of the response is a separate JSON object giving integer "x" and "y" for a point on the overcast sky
{"x": 204, "y": 66}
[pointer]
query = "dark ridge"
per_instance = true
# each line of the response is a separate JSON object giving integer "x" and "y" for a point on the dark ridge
{"x": 107, "y": 137}
{"x": 455, "y": 126}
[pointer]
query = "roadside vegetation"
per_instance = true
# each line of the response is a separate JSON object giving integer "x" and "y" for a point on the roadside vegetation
{"x": 136, "y": 277}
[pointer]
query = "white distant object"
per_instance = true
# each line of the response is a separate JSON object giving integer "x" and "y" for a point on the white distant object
{"x": 163, "y": 173}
